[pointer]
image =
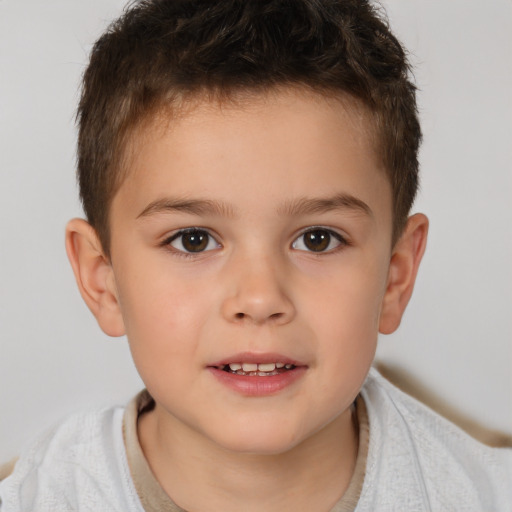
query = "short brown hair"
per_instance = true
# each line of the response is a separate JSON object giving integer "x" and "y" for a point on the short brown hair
{"x": 159, "y": 50}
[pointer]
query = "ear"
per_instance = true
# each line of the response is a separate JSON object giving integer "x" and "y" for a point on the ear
{"x": 403, "y": 268}
{"x": 94, "y": 276}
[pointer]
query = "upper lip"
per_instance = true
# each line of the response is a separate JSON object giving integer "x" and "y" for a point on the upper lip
{"x": 254, "y": 357}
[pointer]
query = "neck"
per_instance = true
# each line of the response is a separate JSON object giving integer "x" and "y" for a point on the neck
{"x": 200, "y": 475}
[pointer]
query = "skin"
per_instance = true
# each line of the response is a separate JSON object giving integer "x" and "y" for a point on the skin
{"x": 267, "y": 166}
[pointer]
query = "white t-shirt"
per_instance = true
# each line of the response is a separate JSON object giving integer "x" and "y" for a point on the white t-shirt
{"x": 417, "y": 461}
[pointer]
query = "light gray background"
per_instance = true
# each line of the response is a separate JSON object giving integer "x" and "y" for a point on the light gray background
{"x": 457, "y": 334}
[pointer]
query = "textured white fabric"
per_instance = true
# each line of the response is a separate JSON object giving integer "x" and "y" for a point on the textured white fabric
{"x": 417, "y": 461}
{"x": 80, "y": 466}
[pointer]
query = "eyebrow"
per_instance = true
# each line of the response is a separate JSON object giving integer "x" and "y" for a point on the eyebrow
{"x": 302, "y": 206}
{"x": 340, "y": 201}
{"x": 192, "y": 206}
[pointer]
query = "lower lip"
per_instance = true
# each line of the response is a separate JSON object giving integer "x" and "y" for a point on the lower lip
{"x": 256, "y": 385}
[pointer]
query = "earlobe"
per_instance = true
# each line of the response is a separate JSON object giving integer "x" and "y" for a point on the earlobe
{"x": 94, "y": 276}
{"x": 403, "y": 268}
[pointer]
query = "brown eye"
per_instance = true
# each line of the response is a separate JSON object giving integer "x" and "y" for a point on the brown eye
{"x": 318, "y": 240}
{"x": 193, "y": 240}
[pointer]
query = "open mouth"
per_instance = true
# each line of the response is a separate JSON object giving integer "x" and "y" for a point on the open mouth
{"x": 258, "y": 374}
{"x": 256, "y": 369}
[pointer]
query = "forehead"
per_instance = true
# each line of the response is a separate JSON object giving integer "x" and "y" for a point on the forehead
{"x": 283, "y": 144}
{"x": 313, "y": 109}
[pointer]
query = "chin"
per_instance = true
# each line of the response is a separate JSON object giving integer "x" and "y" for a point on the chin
{"x": 258, "y": 440}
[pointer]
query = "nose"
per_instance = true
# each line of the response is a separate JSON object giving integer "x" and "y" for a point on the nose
{"x": 257, "y": 293}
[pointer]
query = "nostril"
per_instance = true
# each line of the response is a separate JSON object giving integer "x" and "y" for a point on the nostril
{"x": 273, "y": 316}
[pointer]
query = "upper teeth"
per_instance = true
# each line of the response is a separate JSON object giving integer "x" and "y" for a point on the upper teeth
{"x": 253, "y": 367}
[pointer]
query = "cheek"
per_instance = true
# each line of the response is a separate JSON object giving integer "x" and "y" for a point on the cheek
{"x": 164, "y": 317}
{"x": 348, "y": 296}
{"x": 155, "y": 294}
{"x": 345, "y": 309}
{"x": 163, "y": 335}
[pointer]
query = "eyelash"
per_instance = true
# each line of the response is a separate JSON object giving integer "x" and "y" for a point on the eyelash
{"x": 167, "y": 243}
{"x": 341, "y": 241}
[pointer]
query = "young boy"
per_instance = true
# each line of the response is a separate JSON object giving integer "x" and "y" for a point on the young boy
{"x": 247, "y": 169}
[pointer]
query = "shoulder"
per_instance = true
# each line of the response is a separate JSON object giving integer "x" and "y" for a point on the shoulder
{"x": 420, "y": 460}
{"x": 80, "y": 461}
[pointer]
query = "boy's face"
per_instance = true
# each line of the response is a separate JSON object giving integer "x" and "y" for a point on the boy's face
{"x": 253, "y": 234}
